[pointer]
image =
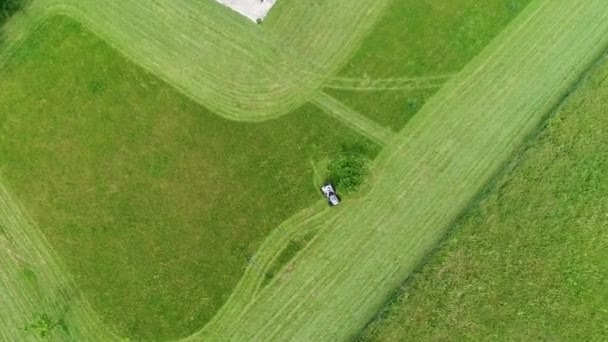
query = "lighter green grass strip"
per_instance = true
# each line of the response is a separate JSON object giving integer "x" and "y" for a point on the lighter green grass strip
{"x": 356, "y": 121}
{"x": 305, "y": 222}
{"x": 437, "y": 165}
{"x": 366, "y": 247}
{"x": 33, "y": 282}
{"x": 237, "y": 69}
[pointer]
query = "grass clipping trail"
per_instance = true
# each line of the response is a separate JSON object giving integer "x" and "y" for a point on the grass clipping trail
{"x": 436, "y": 166}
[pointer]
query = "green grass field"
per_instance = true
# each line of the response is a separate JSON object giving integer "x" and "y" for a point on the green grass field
{"x": 238, "y": 70}
{"x": 148, "y": 203}
{"x": 431, "y": 172}
{"x": 416, "y": 47}
{"x": 147, "y": 196}
{"x": 528, "y": 262}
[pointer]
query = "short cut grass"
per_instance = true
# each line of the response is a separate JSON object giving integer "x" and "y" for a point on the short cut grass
{"x": 420, "y": 39}
{"x": 149, "y": 198}
{"x": 529, "y": 261}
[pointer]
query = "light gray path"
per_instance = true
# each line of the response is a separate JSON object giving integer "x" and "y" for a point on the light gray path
{"x": 252, "y": 9}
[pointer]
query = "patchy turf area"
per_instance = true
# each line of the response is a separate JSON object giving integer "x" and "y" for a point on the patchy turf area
{"x": 412, "y": 43}
{"x": 529, "y": 261}
{"x": 149, "y": 198}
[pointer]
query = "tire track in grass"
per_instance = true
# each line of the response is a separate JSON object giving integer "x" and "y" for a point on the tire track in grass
{"x": 436, "y": 166}
{"x": 239, "y": 70}
{"x": 387, "y": 84}
{"x": 19, "y": 29}
{"x": 368, "y": 245}
{"x": 361, "y": 124}
{"x": 305, "y": 222}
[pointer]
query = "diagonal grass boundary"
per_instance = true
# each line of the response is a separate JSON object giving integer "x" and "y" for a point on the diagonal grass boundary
{"x": 33, "y": 282}
{"x": 494, "y": 191}
{"x": 239, "y": 70}
{"x": 435, "y": 167}
{"x": 356, "y": 121}
{"x": 366, "y": 248}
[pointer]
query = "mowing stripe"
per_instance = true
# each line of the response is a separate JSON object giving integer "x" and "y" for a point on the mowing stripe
{"x": 358, "y": 122}
{"x": 387, "y": 84}
{"x": 366, "y": 247}
{"x": 213, "y": 55}
{"x": 33, "y": 282}
{"x": 173, "y": 34}
{"x": 436, "y": 166}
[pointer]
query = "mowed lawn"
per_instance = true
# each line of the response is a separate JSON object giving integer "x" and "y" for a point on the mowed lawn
{"x": 530, "y": 260}
{"x": 153, "y": 202}
{"x": 420, "y": 39}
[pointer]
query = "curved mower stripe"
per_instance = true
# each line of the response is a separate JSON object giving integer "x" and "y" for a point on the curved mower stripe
{"x": 225, "y": 62}
{"x": 366, "y": 247}
{"x": 425, "y": 178}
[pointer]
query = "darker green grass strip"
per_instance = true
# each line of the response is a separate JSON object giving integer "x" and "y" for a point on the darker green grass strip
{"x": 8, "y": 8}
{"x": 420, "y": 39}
{"x": 528, "y": 260}
{"x": 289, "y": 252}
{"x": 153, "y": 202}
{"x": 444, "y": 158}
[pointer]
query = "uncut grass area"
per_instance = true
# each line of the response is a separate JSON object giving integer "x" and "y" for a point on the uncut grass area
{"x": 529, "y": 261}
{"x": 420, "y": 39}
{"x": 153, "y": 202}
